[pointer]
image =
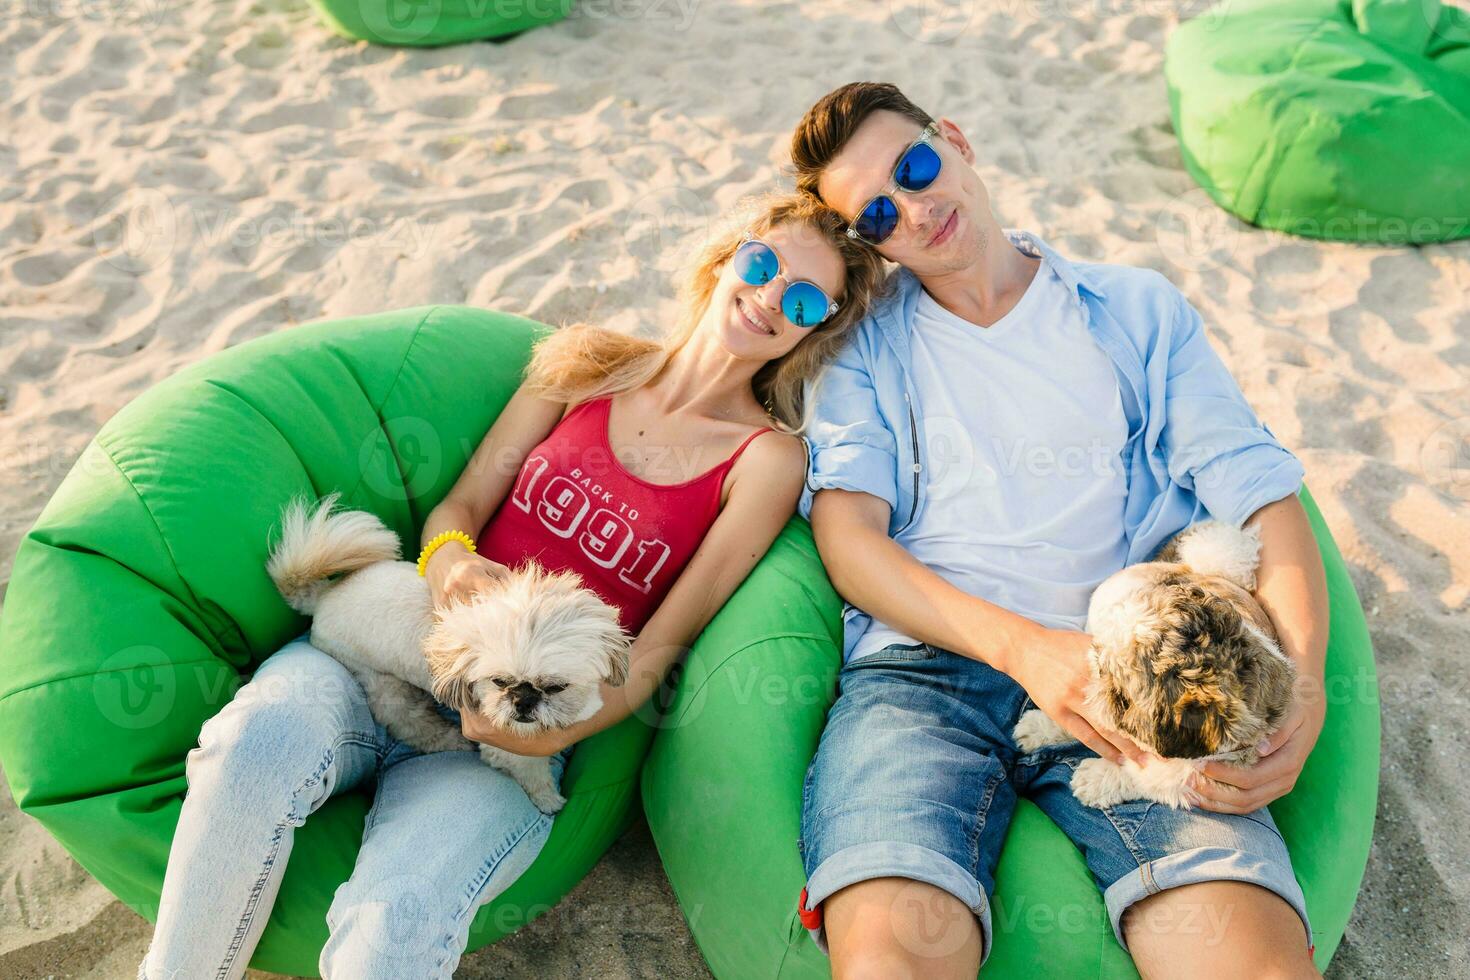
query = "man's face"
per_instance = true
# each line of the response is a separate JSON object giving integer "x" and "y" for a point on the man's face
{"x": 939, "y": 228}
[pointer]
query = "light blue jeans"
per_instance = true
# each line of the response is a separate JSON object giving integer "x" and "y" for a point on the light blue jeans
{"x": 446, "y": 833}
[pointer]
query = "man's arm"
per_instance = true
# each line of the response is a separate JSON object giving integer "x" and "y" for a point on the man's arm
{"x": 878, "y": 575}
{"x": 849, "y": 447}
{"x": 1216, "y": 446}
{"x": 1213, "y": 442}
{"x": 1292, "y": 586}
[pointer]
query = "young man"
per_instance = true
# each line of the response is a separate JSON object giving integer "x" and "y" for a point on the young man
{"x": 1004, "y": 431}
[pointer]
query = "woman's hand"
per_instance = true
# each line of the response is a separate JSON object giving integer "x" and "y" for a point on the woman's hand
{"x": 1054, "y": 670}
{"x": 548, "y": 742}
{"x": 457, "y": 574}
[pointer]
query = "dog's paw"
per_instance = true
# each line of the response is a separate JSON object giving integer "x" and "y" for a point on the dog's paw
{"x": 547, "y": 799}
{"x": 1036, "y": 731}
{"x": 1099, "y": 783}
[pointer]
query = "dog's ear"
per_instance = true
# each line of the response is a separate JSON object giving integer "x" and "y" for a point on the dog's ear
{"x": 452, "y": 689}
{"x": 449, "y": 680}
{"x": 615, "y": 665}
{"x": 1268, "y": 682}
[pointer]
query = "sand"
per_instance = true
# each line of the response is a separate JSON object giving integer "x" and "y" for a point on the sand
{"x": 180, "y": 178}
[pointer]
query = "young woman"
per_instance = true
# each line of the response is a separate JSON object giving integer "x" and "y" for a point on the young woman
{"x": 689, "y": 445}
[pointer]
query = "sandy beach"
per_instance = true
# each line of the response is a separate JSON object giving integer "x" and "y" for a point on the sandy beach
{"x": 179, "y": 178}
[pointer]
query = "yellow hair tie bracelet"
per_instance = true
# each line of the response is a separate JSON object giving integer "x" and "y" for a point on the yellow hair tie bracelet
{"x": 440, "y": 539}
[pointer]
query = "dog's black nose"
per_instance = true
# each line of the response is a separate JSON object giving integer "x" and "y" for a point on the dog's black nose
{"x": 524, "y": 697}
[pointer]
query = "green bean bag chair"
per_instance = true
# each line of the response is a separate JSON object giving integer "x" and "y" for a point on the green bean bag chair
{"x": 1338, "y": 119}
{"x": 428, "y": 23}
{"x": 140, "y": 597}
{"x": 722, "y": 790}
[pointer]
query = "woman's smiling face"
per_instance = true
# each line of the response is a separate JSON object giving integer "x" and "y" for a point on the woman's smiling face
{"x": 749, "y": 319}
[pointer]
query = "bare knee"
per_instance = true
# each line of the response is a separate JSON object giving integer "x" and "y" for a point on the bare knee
{"x": 1217, "y": 929}
{"x": 895, "y": 928}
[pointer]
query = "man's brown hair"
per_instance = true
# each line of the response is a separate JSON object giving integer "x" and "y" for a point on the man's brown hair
{"x": 828, "y": 125}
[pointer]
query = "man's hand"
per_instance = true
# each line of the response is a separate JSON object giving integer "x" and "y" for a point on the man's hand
{"x": 477, "y": 729}
{"x": 1053, "y": 669}
{"x": 1237, "y": 789}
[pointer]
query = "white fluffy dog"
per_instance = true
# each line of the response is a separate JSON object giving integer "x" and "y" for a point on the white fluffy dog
{"x": 528, "y": 654}
{"x": 1185, "y": 661}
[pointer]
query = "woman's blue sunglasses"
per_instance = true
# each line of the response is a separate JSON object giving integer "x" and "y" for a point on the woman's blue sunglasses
{"x": 803, "y": 302}
{"x": 916, "y": 170}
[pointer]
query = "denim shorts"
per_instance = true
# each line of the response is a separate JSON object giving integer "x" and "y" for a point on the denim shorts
{"x": 917, "y": 777}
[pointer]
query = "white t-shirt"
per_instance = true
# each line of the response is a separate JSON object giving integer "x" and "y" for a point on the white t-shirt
{"x": 1023, "y": 427}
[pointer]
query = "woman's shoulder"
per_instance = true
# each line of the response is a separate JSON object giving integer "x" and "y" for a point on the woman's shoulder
{"x": 772, "y": 460}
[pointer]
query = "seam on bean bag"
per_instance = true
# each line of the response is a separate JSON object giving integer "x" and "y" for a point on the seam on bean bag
{"x": 746, "y": 646}
{"x": 220, "y": 385}
{"x": 378, "y": 408}
{"x": 1268, "y": 152}
{"x": 197, "y": 607}
{"x": 216, "y": 661}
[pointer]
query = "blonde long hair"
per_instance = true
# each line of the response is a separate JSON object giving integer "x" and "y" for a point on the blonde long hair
{"x": 580, "y": 362}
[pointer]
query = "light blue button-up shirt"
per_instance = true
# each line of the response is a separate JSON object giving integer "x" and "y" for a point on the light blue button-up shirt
{"x": 1195, "y": 448}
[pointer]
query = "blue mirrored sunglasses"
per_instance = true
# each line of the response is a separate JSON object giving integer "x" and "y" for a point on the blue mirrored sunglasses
{"x": 916, "y": 169}
{"x": 803, "y": 302}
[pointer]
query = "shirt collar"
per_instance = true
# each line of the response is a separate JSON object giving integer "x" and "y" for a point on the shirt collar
{"x": 895, "y": 315}
{"x": 1076, "y": 278}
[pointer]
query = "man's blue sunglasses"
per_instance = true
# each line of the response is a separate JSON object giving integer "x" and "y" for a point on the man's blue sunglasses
{"x": 916, "y": 169}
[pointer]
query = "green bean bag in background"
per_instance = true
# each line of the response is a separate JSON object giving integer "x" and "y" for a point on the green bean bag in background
{"x": 1331, "y": 119}
{"x": 428, "y": 23}
{"x": 722, "y": 790}
{"x": 140, "y": 596}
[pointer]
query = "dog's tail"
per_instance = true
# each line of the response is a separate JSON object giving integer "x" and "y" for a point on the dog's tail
{"x": 1217, "y": 548}
{"x": 317, "y": 545}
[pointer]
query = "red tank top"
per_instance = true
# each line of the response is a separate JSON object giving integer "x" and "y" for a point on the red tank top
{"x": 574, "y": 506}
